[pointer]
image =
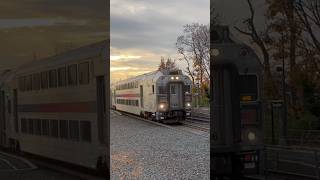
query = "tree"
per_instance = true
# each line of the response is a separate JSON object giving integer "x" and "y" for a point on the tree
{"x": 194, "y": 48}
{"x": 261, "y": 39}
{"x": 309, "y": 14}
{"x": 162, "y": 64}
{"x": 168, "y": 64}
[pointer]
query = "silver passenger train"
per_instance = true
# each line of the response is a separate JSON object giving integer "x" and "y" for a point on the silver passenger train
{"x": 56, "y": 107}
{"x": 163, "y": 96}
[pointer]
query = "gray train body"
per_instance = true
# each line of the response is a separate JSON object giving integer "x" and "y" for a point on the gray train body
{"x": 161, "y": 95}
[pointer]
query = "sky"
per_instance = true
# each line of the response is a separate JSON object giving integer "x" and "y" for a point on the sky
{"x": 35, "y": 29}
{"x": 144, "y": 30}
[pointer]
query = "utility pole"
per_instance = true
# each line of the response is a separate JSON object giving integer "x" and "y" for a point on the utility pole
{"x": 284, "y": 98}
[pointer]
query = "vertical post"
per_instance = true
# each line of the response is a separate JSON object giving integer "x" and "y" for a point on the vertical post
{"x": 284, "y": 106}
{"x": 277, "y": 160}
{"x": 317, "y": 164}
{"x": 266, "y": 163}
{"x": 272, "y": 125}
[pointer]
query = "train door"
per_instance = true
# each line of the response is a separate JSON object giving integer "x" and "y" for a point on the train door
{"x": 114, "y": 97}
{"x": 175, "y": 95}
{"x": 101, "y": 109}
{"x": 2, "y": 120}
{"x": 15, "y": 110}
{"x": 141, "y": 96}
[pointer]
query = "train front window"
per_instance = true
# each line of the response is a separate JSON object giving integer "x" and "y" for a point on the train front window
{"x": 173, "y": 89}
{"x": 248, "y": 86}
{"x": 187, "y": 88}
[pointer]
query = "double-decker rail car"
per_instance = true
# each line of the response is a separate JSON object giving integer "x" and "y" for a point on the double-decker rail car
{"x": 237, "y": 106}
{"x": 56, "y": 107}
{"x": 163, "y": 96}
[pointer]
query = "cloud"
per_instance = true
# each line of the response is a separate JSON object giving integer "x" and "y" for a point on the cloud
{"x": 149, "y": 29}
{"x": 44, "y": 27}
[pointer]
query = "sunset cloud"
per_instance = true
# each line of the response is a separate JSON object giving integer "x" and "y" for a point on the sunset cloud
{"x": 143, "y": 31}
{"x": 43, "y": 28}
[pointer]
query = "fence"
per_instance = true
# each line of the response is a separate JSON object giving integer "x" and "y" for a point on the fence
{"x": 292, "y": 161}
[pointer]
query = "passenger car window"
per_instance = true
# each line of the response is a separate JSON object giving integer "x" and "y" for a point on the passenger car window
{"x": 85, "y": 130}
{"x": 64, "y": 129}
{"x": 72, "y": 75}
{"x": 54, "y": 128}
{"x": 74, "y": 129}
{"x": 53, "y": 78}
{"x": 36, "y": 81}
{"x": 44, "y": 80}
{"x": 84, "y": 73}
{"x": 62, "y": 77}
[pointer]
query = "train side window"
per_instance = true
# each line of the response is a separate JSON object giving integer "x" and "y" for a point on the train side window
{"x": 152, "y": 89}
{"x": 62, "y": 77}
{"x": 20, "y": 83}
{"x": 248, "y": 87}
{"x": 30, "y": 126}
{"x": 74, "y": 129}
{"x": 36, "y": 81}
{"x": 54, "y": 128}
{"x": 53, "y": 78}
{"x": 9, "y": 106}
{"x": 24, "y": 125}
{"x": 64, "y": 129}
{"x": 85, "y": 131}
{"x": 37, "y": 125}
{"x": 45, "y": 127}
{"x": 44, "y": 80}
{"x": 84, "y": 73}
{"x": 72, "y": 75}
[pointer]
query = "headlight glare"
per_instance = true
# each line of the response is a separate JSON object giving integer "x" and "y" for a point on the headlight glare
{"x": 251, "y": 136}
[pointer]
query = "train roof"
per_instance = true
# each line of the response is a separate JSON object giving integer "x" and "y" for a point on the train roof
{"x": 147, "y": 76}
{"x": 84, "y": 52}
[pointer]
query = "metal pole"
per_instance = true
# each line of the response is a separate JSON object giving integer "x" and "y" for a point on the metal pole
{"x": 284, "y": 107}
{"x": 317, "y": 164}
{"x": 272, "y": 125}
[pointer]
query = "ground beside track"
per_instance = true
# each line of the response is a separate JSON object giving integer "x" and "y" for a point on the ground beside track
{"x": 143, "y": 150}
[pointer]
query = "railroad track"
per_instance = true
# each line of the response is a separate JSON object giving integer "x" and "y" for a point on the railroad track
{"x": 196, "y": 126}
{"x": 190, "y": 123}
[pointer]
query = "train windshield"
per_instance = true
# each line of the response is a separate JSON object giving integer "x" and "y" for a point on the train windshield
{"x": 248, "y": 86}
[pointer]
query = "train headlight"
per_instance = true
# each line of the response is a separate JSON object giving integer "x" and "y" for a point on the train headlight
{"x": 188, "y": 104}
{"x": 251, "y": 136}
{"x": 161, "y": 106}
{"x": 177, "y": 78}
{"x": 172, "y": 78}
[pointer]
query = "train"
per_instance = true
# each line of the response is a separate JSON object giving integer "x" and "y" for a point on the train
{"x": 236, "y": 107}
{"x": 163, "y": 96}
{"x": 56, "y": 107}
